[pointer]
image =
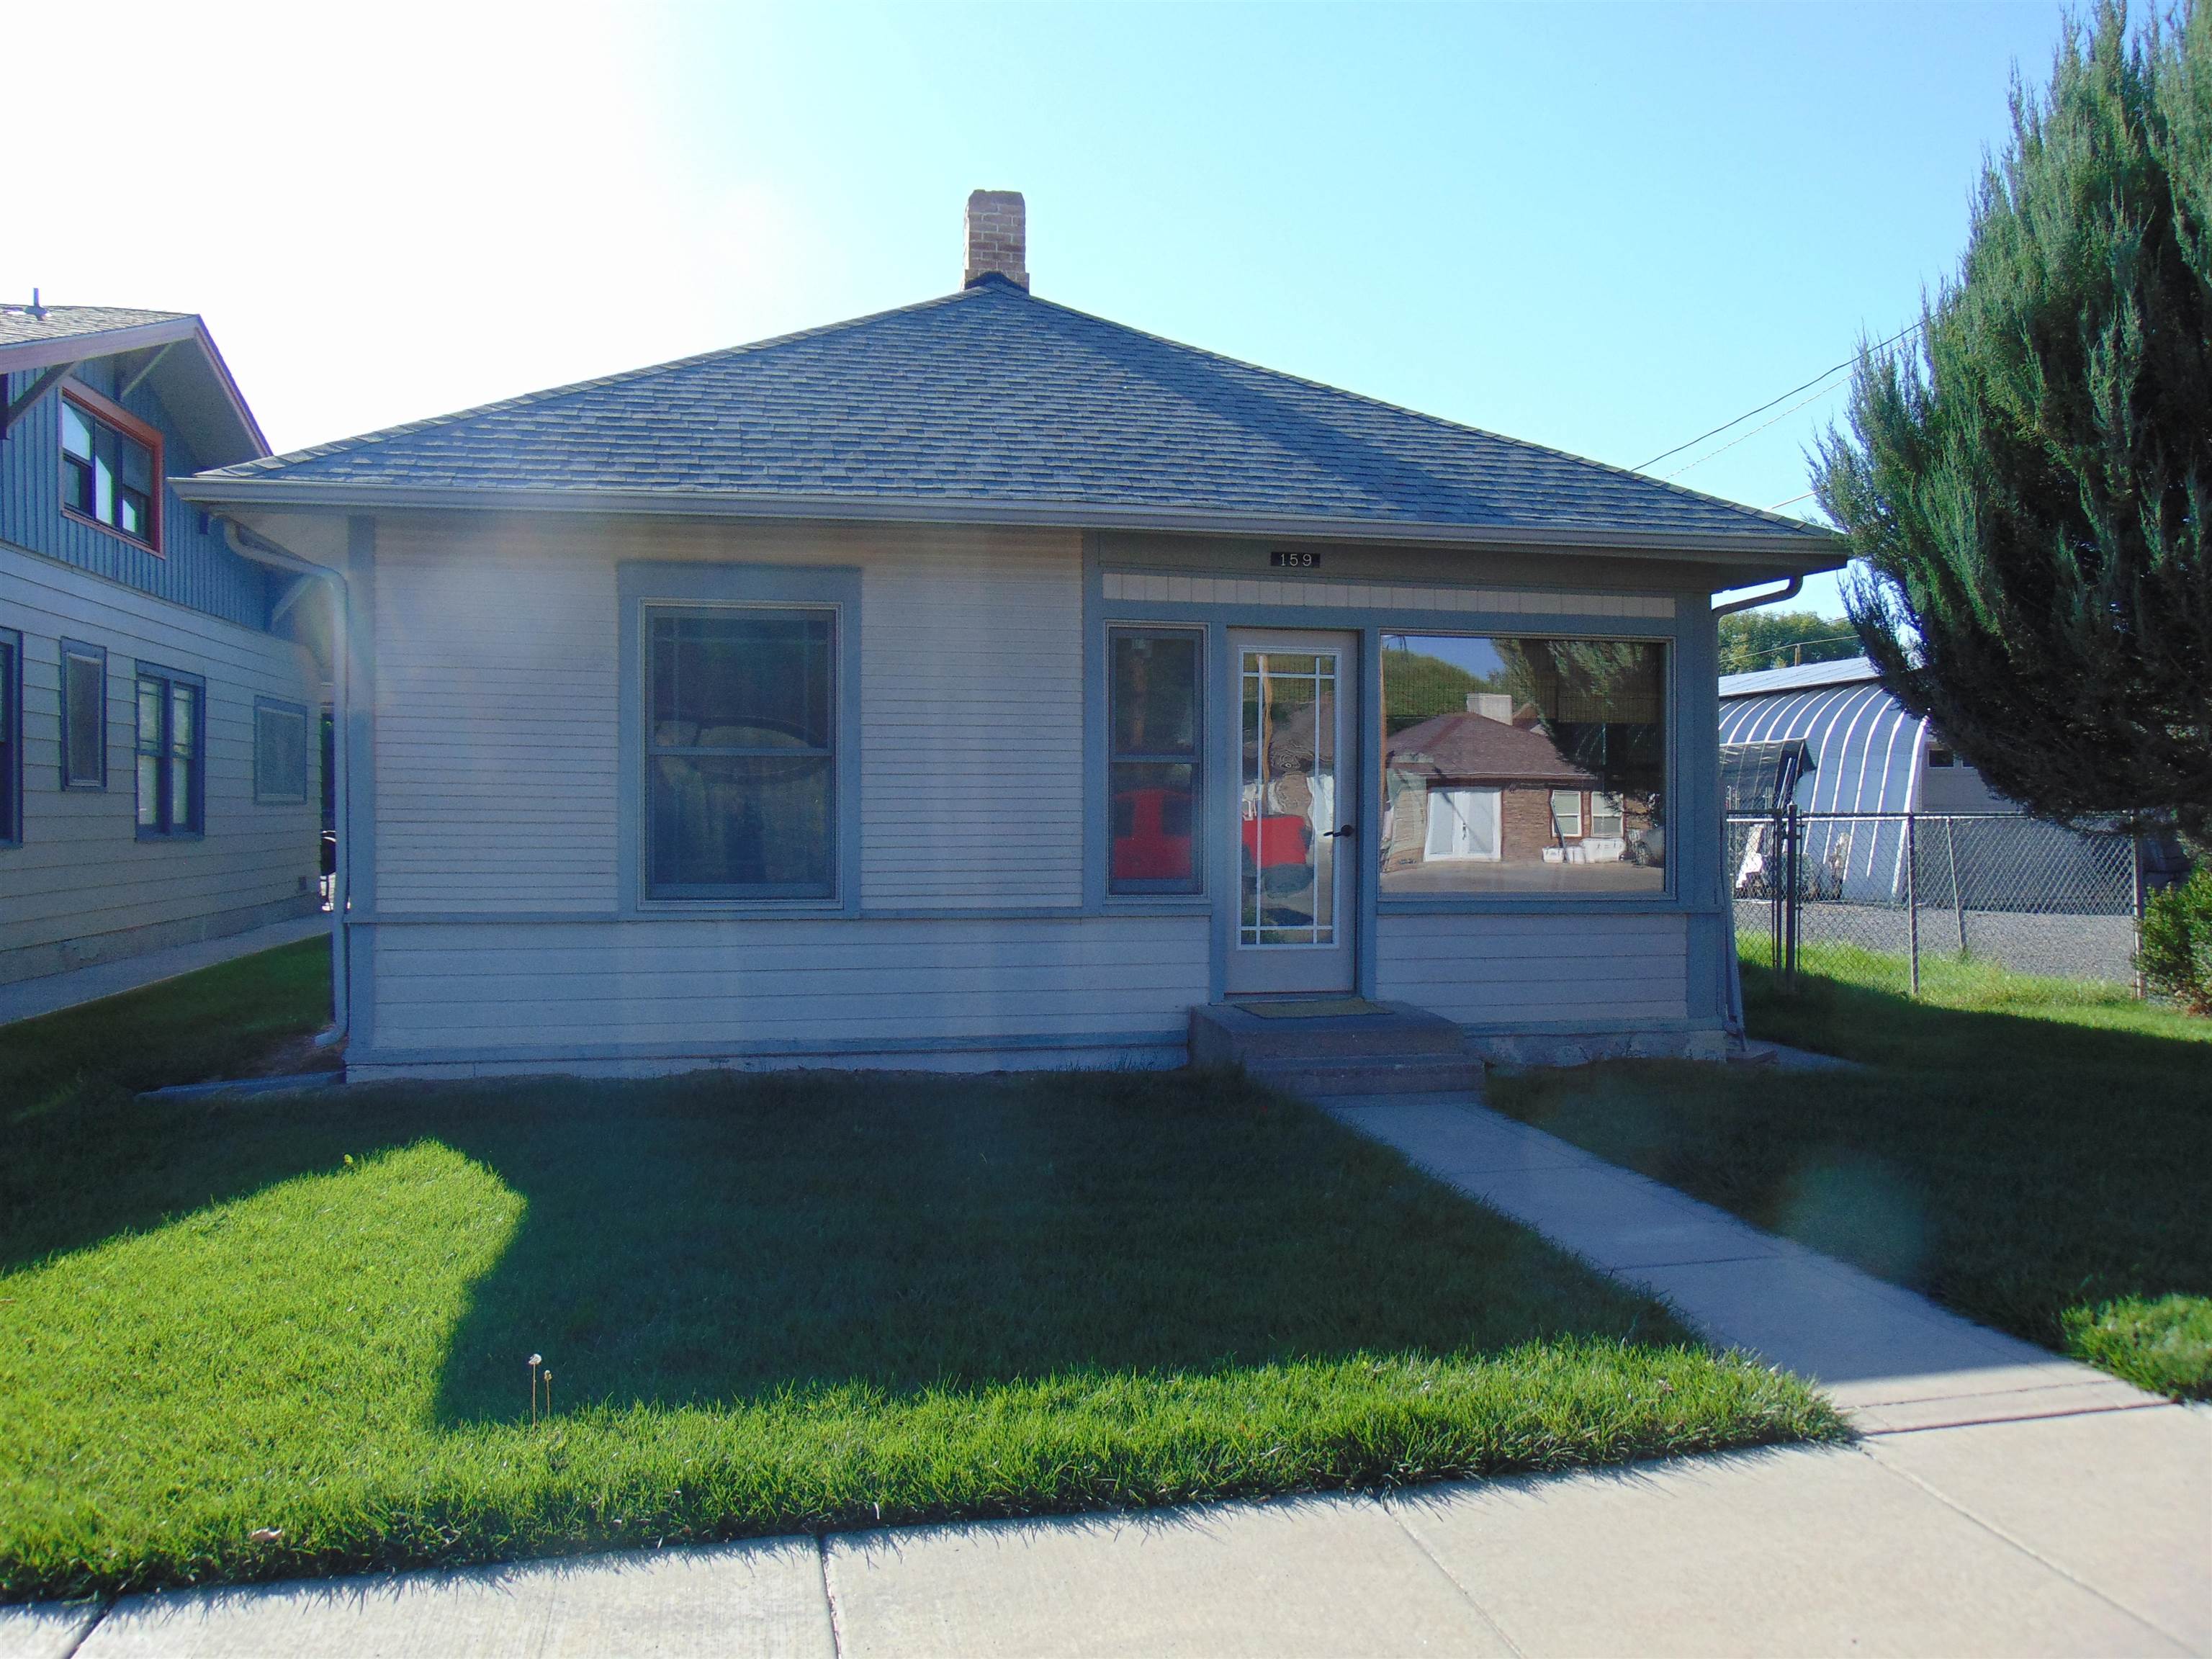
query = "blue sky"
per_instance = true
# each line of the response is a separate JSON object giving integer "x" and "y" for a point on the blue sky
{"x": 1604, "y": 228}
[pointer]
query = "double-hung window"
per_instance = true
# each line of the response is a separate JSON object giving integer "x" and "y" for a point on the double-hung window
{"x": 172, "y": 744}
{"x": 741, "y": 752}
{"x": 1152, "y": 760}
{"x": 111, "y": 468}
{"x": 84, "y": 716}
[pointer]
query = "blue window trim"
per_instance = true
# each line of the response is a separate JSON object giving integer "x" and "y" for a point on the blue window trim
{"x": 11, "y": 736}
{"x": 85, "y": 652}
{"x": 1694, "y": 889}
{"x": 643, "y": 585}
{"x": 1202, "y": 691}
{"x": 196, "y": 828}
{"x": 262, "y": 794}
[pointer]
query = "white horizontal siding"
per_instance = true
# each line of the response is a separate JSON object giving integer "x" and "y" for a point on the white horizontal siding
{"x": 1536, "y": 970}
{"x": 497, "y": 746}
{"x": 714, "y": 987}
{"x": 82, "y": 872}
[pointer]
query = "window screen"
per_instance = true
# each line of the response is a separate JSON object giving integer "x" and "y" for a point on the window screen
{"x": 11, "y": 731}
{"x": 280, "y": 751}
{"x": 740, "y": 753}
{"x": 84, "y": 716}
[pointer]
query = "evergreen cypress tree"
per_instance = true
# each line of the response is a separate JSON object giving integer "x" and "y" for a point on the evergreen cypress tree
{"x": 2029, "y": 487}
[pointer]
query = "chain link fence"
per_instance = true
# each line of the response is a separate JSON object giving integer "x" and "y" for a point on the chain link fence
{"x": 1895, "y": 889}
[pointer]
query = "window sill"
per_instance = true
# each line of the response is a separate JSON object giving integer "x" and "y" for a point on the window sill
{"x": 1432, "y": 904}
{"x": 123, "y": 536}
{"x": 145, "y": 835}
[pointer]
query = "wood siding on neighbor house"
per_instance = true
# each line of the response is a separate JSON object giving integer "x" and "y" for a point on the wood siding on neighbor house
{"x": 497, "y": 778}
{"x": 83, "y": 887}
{"x": 1537, "y": 970}
{"x": 194, "y": 567}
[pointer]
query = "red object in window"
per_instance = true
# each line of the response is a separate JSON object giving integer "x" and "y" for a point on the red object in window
{"x": 1279, "y": 839}
{"x": 1151, "y": 836}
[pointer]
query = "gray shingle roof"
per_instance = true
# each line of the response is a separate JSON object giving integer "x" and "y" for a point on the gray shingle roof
{"x": 991, "y": 398}
{"x": 66, "y": 322}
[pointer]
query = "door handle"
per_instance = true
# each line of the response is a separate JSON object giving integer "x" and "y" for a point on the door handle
{"x": 1350, "y": 832}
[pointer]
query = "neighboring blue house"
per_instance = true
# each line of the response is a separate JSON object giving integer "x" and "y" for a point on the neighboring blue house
{"x": 983, "y": 684}
{"x": 159, "y": 706}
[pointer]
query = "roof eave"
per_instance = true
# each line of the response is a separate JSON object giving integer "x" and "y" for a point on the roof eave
{"x": 25, "y": 357}
{"x": 1806, "y": 552}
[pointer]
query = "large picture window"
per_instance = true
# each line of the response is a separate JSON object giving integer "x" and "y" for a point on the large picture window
{"x": 111, "y": 468}
{"x": 741, "y": 784}
{"x": 171, "y": 745}
{"x": 1523, "y": 765}
{"x": 1153, "y": 764}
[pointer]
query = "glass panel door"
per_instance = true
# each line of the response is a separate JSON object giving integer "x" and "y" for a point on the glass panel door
{"x": 1294, "y": 813}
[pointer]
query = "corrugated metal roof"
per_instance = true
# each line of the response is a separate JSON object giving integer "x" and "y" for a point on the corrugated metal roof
{"x": 993, "y": 400}
{"x": 1803, "y": 677}
{"x": 1866, "y": 748}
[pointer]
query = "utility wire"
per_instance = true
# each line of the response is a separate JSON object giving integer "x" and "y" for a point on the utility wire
{"x": 1742, "y": 436}
{"x": 1769, "y": 404}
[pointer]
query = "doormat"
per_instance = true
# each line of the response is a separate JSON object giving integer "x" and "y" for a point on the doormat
{"x": 1320, "y": 1008}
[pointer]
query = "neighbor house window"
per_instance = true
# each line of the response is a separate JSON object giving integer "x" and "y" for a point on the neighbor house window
{"x": 84, "y": 716}
{"x": 1523, "y": 765}
{"x": 280, "y": 751}
{"x": 741, "y": 723}
{"x": 1566, "y": 814}
{"x": 111, "y": 468}
{"x": 11, "y": 735}
{"x": 171, "y": 744}
{"x": 1152, "y": 761}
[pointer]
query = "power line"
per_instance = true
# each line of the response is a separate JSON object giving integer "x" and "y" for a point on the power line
{"x": 1753, "y": 433}
{"x": 1771, "y": 402}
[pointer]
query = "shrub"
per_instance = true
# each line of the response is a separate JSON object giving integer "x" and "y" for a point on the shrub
{"x": 2177, "y": 942}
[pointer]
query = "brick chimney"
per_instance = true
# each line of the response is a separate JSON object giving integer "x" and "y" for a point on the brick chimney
{"x": 997, "y": 238}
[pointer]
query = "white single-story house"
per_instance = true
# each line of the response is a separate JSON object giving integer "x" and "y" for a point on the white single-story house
{"x": 159, "y": 695}
{"x": 984, "y": 685}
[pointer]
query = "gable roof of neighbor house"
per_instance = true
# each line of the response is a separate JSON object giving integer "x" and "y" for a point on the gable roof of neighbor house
{"x": 194, "y": 385}
{"x": 992, "y": 405}
{"x": 1475, "y": 747}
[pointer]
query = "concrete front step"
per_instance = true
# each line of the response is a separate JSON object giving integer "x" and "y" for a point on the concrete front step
{"x": 1397, "y": 1049}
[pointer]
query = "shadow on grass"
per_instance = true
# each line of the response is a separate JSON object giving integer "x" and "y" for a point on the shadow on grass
{"x": 716, "y": 1240}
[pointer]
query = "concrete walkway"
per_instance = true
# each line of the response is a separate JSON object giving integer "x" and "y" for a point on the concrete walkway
{"x": 27, "y": 999}
{"x": 2001, "y": 1501}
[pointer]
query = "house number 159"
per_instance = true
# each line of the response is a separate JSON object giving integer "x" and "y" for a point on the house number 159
{"x": 1283, "y": 559}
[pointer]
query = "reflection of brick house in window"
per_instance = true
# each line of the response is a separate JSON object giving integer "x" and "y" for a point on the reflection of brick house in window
{"x": 1490, "y": 785}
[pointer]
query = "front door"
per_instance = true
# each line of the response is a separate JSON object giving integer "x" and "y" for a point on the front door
{"x": 1297, "y": 806}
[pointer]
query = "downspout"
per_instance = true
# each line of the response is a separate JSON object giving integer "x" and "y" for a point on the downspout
{"x": 250, "y": 545}
{"x": 1732, "y": 975}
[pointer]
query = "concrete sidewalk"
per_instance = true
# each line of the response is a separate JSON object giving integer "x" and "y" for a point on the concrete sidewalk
{"x": 2002, "y": 1501}
{"x": 27, "y": 999}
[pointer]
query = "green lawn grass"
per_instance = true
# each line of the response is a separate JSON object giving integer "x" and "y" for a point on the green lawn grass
{"x": 2034, "y": 1153}
{"x": 768, "y": 1305}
